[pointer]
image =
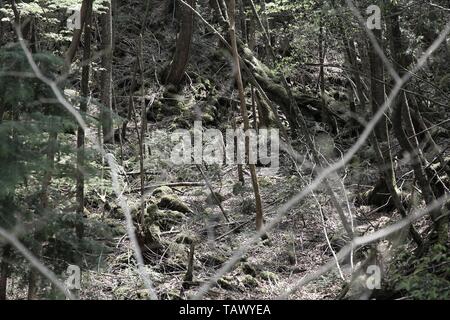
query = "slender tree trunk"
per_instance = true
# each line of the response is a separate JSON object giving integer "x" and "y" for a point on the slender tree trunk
{"x": 143, "y": 129}
{"x": 244, "y": 111}
{"x": 106, "y": 94}
{"x": 183, "y": 46}
{"x": 325, "y": 114}
{"x": 85, "y": 75}
{"x": 377, "y": 86}
{"x": 33, "y": 279}
{"x": 76, "y": 38}
{"x": 4, "y": 271}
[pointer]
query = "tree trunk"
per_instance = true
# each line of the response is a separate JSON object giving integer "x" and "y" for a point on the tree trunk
{"x": 33, "y": 278}
{"x": 4, "y": 271}
{"x": 106, "y": 76}
{"x": 377, "y": 86}
{"x": 244, "y": 111}
{"x": 183, "y": 46}
{"x": 326, "y": 117}
{"x": 85, "y": 74}
{"x": 76, "y": 38}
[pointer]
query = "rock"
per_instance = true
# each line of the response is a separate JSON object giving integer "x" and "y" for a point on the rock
{"x": 186, "y": 238}
{"x": 172, "y": 202}
{"x": 214, "y": 199}
{"x": 211, "y": 260}
{"x": 268, "y": 276}
{"x": 168, "y": 218}
{"x": 151, "y": 215}
{"x": 225, "y": 283}
{"x": 149, "y": 238}
{"x": 249, "y": 269}
{"x": 249, "y": 281}
{"x": 160, "y": 191}
{"x": 208, "y": 212}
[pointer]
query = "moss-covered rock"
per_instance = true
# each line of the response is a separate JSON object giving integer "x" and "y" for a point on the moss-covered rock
{"x": 226, "y": 283}
{"x": 151, "y": 215}
{"x": 249, "y": 281}
{"x": 161, "y": 191}
{"x": 168, "y": 218}
{"x": 149, "y": 237}
{"x": 172, "y": 202}
{"x": 249, "y": 269}
{"x": 213, "y": 260}
{"x": 186, "y": 238}
{"x": 268, "y": 276}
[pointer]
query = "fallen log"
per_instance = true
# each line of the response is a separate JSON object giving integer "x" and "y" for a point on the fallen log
{"x": 173, "y": 184}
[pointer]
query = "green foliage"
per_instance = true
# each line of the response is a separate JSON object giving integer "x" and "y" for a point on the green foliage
{"x": 29, "y": 116}
{"x": 425, "y": 278}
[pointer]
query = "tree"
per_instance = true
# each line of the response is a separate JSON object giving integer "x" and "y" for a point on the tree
{"x": 106, "y": 74}
{"x": 183, "y": 46}
{"x": 244, "y": 111}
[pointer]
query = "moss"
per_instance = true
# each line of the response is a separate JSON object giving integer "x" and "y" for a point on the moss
{"x": 163, "y": 190}
{"x": 172, "y": 202}
{"x": 151, "y": 215}
{"x": 150, "y": 236}
{"x": 249, "y": 269}
{"x": 268, "y": 276}
{"x": 168, "y": 218}
{"x": 213, "y": 260}
{"x": 225, "y": 283}
{"x": 186, "y": 238}
{"x": 249, "y": 281}
{"x": 142, "y": 294}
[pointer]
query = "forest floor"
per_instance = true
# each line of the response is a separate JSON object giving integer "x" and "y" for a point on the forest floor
{"x": 296, "y": 247}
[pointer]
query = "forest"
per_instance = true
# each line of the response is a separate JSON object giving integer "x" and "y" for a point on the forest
{"x": 224, "y": 150}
